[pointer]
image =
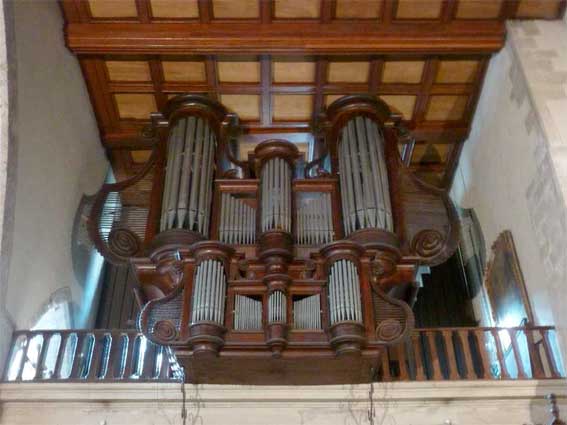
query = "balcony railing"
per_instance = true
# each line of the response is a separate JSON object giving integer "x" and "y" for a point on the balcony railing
{"x": 89, "y": 356}
{"x": 431, "y": 354}
{"x": 474, "y": 353}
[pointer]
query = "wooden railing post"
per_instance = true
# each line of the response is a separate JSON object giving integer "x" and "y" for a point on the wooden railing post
{"x": 77, "y": 357}
{"x": 418, "y": 356}
{"x": 452, "y": 363}
{"x": 404, "y": 375}
{"x": 481, "y": 342}
{"x": 60, "y": 355}
{"x": 464, "y": 338}
{"x": 554, "y": 370}
{"x": 41, "y": 356}
{"x": 517, "y": 357}
{"x": 535, "y": 357}
{"x": 25, "y": 349}
{"x": 435, "y": 364}
{"x": 503, "y": 369}
{"x": 386, "y": 375}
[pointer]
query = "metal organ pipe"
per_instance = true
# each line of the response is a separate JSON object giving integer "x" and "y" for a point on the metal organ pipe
{"x": 209, "y": 292}
{"x": 314, "y": 222}
{"x": 364, "y": 177}
{"x": 307, "y": 313}
{"x": 277, "y": 307}
{"x": 276, "y": 195}
{"x": 344, "y": 292}
{"x": 247, "y": 313}
{"x": 238, "y": 221}
{"x": 189, "y": 176}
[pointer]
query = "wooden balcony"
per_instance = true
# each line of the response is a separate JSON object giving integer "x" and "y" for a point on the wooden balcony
{"x": 432, "y": 354}
{"x": 463, "y": 353}
{"x": 90, "y": 356}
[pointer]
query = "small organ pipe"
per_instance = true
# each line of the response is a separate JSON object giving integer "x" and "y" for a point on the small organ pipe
{"x": 313, "y": 219}
{"x": 237, "y": 221}
{"x": 307, "y": 313}
{"x": 276, "y": 307}
{"x": 209, "y": 292}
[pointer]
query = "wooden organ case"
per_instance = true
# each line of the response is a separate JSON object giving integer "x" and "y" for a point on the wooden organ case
{"x": 254, "y": 274}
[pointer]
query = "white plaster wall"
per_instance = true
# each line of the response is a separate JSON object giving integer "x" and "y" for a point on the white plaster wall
{"x": 509, "y": 171}
{"x": 59, "y": 157}
{"x": 6, "y": 186}
{"x": 404, "y": 403}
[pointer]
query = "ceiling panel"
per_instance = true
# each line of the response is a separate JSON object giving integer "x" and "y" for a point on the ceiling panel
{"x": 414, "y": 10}
{"x": 283, "y": 90}
{"x": 175, "y": 9}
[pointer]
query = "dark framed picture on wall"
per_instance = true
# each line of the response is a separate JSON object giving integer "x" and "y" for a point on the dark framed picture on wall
{"x": 505, "y": 284}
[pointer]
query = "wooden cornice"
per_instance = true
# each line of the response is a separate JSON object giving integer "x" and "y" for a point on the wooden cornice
{"x": 286, "y": 38}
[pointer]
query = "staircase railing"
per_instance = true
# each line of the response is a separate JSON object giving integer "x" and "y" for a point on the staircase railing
{"x": 88, "y": 356}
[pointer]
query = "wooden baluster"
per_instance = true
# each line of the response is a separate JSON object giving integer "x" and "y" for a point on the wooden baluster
{"x": 448, "y": 339}
{"x": 149, "y": 365}
{"x": 78, "y": 357}
{"x": 60, "y": 355}
{"x": 503, "y": 369}
{"x": 464, "y": 338}
{"x": 41, "y": 357}
{"x": 418, "y": 356}
{"x": 435, "y": 366}
{"x": 96, "y": 358}
{"x": 535, "y": 357}
{"x": 25, "y": 348}
{"x": 130, "y": 363}
{"x": 115, "y": 356}
{"x": 481, "y": 342}
{"x": 517, "y": 356}
{"x": 386, "y": 375}
{"x": 404, "y": 375}
{"x": 549, "y": 354}
{"x": 164, "y": 370}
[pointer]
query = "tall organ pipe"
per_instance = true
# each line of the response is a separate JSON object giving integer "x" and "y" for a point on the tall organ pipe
{"x": 276, "y": 195}
{"x": 364, "y": 177}
{"x": 189, "y": 176}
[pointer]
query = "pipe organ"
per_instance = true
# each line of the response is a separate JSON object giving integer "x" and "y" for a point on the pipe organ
{"x": 291, "y": 278}
{"x": 363, "y": 177}
{"x": 188, "y": 176}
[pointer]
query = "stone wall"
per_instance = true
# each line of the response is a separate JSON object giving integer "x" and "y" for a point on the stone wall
{"x": 410, "y": 403}
{"x": 59, "y": 158}
{"x": 513, "y": 169}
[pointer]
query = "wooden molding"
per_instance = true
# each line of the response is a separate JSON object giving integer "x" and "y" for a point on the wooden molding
{"x": 290, "y": 38}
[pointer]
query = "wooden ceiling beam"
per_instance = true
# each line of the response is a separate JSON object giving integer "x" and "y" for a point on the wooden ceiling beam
{"x": 285, "y": 38}
{"x": 131, "y": 137}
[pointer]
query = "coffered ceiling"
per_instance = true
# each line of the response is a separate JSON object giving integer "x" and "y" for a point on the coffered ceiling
{"x": 279, "y": 63}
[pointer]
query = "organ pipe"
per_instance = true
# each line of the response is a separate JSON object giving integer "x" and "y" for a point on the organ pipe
{"x": 344, "y": 292}
{"x": 277, "y": 307}
{"x": 247, "y": 313}
{"x": 314, "y": 222}
{"x": 237, "y": 222}
{"x": 363, "y": 177}
{"x": 307, "y": 312}
{"x": 276, "y": 195}
{"x": 189, "y": 176}
{"x": 209, "y": 293}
